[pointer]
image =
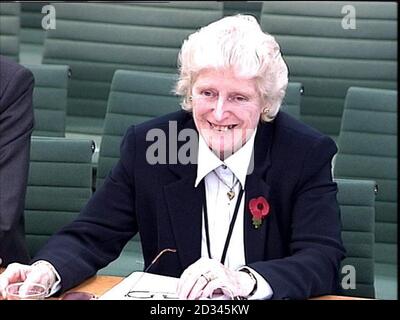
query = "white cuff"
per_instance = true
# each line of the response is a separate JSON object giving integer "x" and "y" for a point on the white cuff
{"x": 57, "y": 280}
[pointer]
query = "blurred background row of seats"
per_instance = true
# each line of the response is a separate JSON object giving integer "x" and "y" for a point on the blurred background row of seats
{"x": 59, "y": 185}
{"x": 95, "y": 39}
{"x": 50, "y": 99}
{"x": 368, "y": 150}
{"x": 328, "y": 58}
{"x": 108, "y": 66}
{"x": 357, "y": 208}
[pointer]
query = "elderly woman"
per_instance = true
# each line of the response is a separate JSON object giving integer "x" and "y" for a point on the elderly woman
{"x": 255, "y": 217}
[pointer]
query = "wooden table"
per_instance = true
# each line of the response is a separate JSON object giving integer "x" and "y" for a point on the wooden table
{"x": 98, "y": 285}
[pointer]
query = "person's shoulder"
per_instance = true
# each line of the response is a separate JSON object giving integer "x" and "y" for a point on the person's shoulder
{"x": 10, "y": 67}
{"x": 11, "y": 70}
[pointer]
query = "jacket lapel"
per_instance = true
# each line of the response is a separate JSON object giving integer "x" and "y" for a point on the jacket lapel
{"x": 257, "y": 186}
{"x": 184, "y": 205}
{"x": 255, "y": 239}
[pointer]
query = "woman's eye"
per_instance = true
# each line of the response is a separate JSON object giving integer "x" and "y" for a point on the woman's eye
{"x": 241, "y": 99}
{"x": 207, "y": 93}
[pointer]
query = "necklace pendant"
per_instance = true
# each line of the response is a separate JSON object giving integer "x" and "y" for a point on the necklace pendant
{"x": 231, "y": 194}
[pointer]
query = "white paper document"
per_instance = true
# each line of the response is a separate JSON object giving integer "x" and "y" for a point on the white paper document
{"x": 140, "y": 286}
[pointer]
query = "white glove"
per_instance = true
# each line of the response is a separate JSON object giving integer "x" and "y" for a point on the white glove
{"x": 207, "y": 277}
{"x": 40, "y": 272}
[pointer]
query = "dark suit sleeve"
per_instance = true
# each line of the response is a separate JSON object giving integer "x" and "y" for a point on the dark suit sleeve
{"x": 103, "y": 227}
{"x": 316, "y": 249}
{"x": 16, "y": 125}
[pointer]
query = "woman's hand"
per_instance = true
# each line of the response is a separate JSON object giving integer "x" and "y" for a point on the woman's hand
{"x": 208, "y": 277}
{"x": 36, "y": 273}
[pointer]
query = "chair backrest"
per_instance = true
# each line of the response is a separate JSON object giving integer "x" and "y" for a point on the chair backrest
{"x": 368, "y": 150}
{"x": 50, "y": 99}
{"x": 292, "y": 100}
{"x": 10, "y": 29}
{"x": 32, "y": 32}
{"x": 59, "y": 185}
{"x": 357, "y": 199}
{"x": 328, "y": 54}
{"x": 135, "y": 96}
{"x": 243, "y": 7}
{"x": 31, "y": 22}
{"x": 96, "y": 39}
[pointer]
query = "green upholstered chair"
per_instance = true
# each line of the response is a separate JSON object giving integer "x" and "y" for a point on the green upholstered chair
{"x": 31, "y": 22}
{"x": 243, "y": 7}
{"x": 50, "y": 99}
{"x": 327, "y": 58}
{"x": 59, "y": 185}
{"x": 368, "y": 150}
{"x": 292, "y": 100}
{"x": 32, "y": 33}
{"x": 135, "y": 96}
{"x": 10, "y": 30}
{"x": 96, "y": 39}
{"x": 357, "y": 206}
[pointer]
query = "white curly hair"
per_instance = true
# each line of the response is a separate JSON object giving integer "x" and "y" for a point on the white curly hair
{"x": 235, "y": 42}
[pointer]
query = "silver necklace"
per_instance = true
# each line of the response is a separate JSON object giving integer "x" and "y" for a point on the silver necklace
{"x": 231, "y": 194}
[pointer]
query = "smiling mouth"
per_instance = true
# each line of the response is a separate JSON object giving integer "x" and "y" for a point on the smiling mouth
{"x": 221, "y": 128}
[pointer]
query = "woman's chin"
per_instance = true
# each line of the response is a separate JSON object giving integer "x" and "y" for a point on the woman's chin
{"x": 224, "y": 149}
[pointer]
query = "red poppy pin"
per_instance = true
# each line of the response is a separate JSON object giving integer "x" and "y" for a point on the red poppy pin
{"x": 259, "y": 208}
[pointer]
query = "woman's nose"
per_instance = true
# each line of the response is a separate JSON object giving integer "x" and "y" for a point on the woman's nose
{"x": 220, "y": 108}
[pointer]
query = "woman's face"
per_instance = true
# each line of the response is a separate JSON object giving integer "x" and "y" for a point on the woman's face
{"x": 226, "y": 109}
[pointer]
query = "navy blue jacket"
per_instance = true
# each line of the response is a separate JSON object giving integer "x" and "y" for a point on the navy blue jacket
{"x": 297, "y": 249}
{"x": 16, "y": 126}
